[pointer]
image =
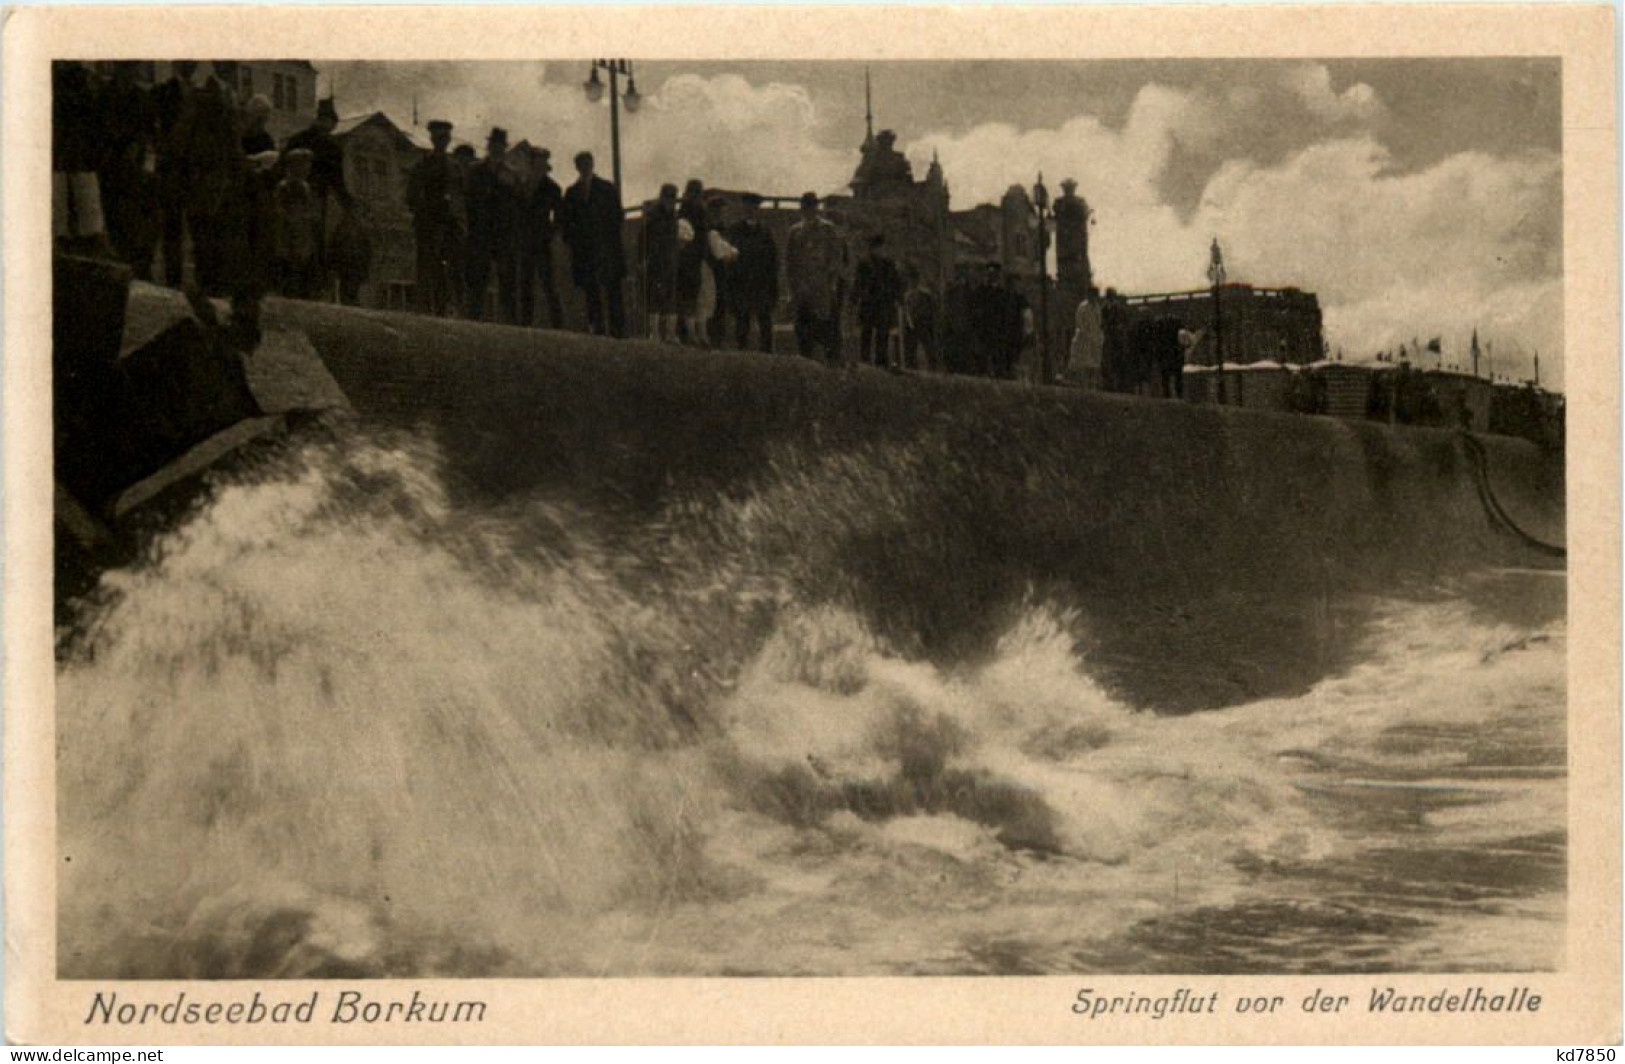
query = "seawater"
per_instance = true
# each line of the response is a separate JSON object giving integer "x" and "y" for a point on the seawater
{"x": 342, "y": 721}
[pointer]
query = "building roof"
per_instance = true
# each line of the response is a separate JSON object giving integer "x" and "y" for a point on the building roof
{"x": 346, "y": 126}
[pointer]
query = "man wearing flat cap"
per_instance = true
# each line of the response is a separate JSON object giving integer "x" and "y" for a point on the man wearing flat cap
{"x": 494, "y": 217}
{"x": 591, "y": 220}
{"x": 429, "y": 192}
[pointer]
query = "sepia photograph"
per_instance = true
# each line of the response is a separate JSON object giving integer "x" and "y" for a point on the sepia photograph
{"x": 680, "y": 516}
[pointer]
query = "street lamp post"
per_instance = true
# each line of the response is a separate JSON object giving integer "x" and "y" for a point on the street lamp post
{"x": 1215, "y": 274}
{"x": 1041, "y": 204}
{"x": 595, "y": 92}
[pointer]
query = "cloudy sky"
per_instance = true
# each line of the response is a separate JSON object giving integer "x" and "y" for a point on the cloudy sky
{"x": 1418, "y": 198}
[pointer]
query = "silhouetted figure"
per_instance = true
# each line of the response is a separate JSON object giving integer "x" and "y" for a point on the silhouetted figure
{"x": 877, "y": 290}
{"x": 919, "y": 324}
{"x": 958, "y": 343}
{"x": 659, "y": 240}
{"x": 536, "y": 245}
{"x": 171, "y": 101}
{"x": 217, "y": 197}
{"x": 429, "y": 191}
{"x": 326, "y": 172}
{"x": 815, "y": 263}
{"x": 494, "y": 218}
{"x": 691, "y": 261}
{"x": 296, "y": 229}
{"x": 753, "y": 278}
{"x": 463, "y": 162}
{"x": 720, "y": 256}
{"x": 128, "y": 188}
{"x": 591, "y": 222}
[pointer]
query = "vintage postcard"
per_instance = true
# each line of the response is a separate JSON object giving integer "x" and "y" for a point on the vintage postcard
{"x": 845, "y": 524}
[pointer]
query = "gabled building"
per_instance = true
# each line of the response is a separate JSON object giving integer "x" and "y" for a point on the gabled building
{"x": 378, "y": 159}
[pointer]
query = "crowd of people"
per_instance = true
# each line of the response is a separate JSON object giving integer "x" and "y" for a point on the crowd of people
{"x": 144, "y": 171}
{"x": 708, "y": 265}
{"x": 140, "y": 170}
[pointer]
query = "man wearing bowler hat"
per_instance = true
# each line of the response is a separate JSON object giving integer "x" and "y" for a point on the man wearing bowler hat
{"x": 493, "y": 230}
{"x": 429, "y": 193}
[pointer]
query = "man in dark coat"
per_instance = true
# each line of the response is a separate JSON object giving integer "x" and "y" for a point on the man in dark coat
{"x": 429, "y": 192}
{"x": 536, "y": 245}
{"x": 494, "y": 218}
{"x": 129, "y": 197}
{"x": 753, "y": 278}
{"x": 217, "y": 195}
{"x": 591, "y": 221}
{"x": 171, "y": 101}
{"x": 877, "y": 290}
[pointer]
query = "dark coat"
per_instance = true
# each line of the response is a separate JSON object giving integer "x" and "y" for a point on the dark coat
{"x": 494, "y": 212}
{"x": 429, "y": 190}
{"x": 659, "y": 238}
{"x": 753, "y": 279}
{"x": 591, "y": 222}
{"x": 877, "y": 289}
{"x": 542, "y": 215}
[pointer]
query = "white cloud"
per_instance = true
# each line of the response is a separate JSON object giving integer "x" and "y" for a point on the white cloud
{"x": 1474, "y": 238}
{"x": 1311, "y": 83}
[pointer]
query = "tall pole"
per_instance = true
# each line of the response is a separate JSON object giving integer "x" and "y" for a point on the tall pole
{"x": 1215, "y": 274}
{"x": 1043, "y": 301}
{"x": 615, "y": 122}
{"x": 1041, "y": 203}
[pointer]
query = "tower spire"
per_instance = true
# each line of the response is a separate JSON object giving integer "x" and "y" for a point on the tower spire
{"x": 868, "y": 112}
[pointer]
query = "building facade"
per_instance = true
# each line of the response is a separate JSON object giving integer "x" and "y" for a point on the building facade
{"x": 378, "y": 159}
{"x": 289, "y": 84}
{"x": 1249, "y": 324}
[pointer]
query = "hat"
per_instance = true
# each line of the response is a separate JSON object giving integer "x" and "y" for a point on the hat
{"x": 439, "y": 125}
{"x": 259, "y": 106}
{"x": 297, "y": 154}
{"x": 325, "y": 108}
{"x": 809, "y": 199}
{"x": 751, "y": 199}
{"x": 498, "y": 136}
